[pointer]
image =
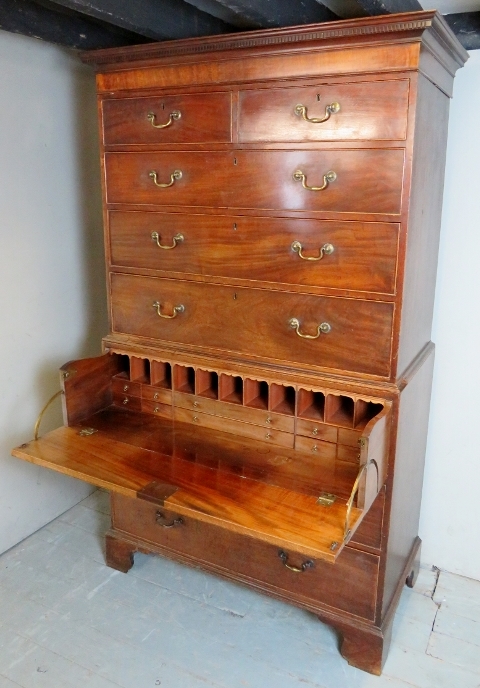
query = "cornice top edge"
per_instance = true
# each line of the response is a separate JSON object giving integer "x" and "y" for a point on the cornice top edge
{"x": 363, "y": 29}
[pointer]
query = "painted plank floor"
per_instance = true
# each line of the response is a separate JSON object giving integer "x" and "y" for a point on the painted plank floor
{"x": 68, "y": 621}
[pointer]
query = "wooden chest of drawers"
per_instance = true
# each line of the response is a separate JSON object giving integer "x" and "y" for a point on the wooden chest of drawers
{"x": 272, "y": 207}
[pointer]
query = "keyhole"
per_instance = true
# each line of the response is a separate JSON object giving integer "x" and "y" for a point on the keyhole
{"x": 235, "y": 226}
{"x": 235, "y": 296}
{"x": 163, "y": 106}
{"x": 318, "y": 96}
{"x": 234, "y": 161}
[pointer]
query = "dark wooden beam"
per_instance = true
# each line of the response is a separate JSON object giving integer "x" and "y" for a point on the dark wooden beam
{"x": 389, "y": 6}
{"x": 155, "y": 19}
{"x": 466, "y": 26}
{"x": 68, "y": 29}
{"x": 267, "y": 14}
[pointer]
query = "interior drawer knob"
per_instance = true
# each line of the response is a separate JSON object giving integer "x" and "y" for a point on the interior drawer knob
{"x": 331, "y": 109}
{"x": 176, "y": 310}
{"x": 177, "y": 239}
{"x": 176, "y": 174}
{"x": 323, "y": 328}
{"x": 299, "y": 176}
{"x": 325, "y": 250}
{"x": 162, "y": 521}
{"x": 296, "y": 569}
{"x": 173, "y": 117}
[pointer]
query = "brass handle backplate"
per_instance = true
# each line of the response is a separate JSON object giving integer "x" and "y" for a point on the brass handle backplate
{"x": 176, "y": 310}
{"x": 176, "y": 174}
{"x": 325, "y": 250}
{"x": 178, "y": 238}
{"x": 174, "y": 116}
{"x": 160, "y": 520}
{"x": 323, "y": 328}
{"x": 301, "y": 111}
{"x": 328, "y": 178}
{"x": 296, "y": 569}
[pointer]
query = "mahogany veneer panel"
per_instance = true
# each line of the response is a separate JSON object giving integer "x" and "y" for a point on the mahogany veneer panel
{"x": 369, "y": 110}
{"x": 256, "y": 322}
{"x": 368, "y": 181}
{"x": 231, "y": 246}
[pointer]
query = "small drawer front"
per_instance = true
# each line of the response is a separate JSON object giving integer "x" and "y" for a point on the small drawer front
{"x": 179, "y": 118}
{"x": 315, "y": 430}
{"x": 342, "y": 255}
{"x": 361, "y": 181}
{"x": 349, "y": 584}
{"x": 326, "y": 451}
{"x": 236, "y": 427}
{"x": 158, "y": 409}
{"x": 126, "y": 388}
{"x": 375, "y": 110}
{"x": 128, "y": 402}
{"x": 256, "y": 322}
{"x": 266, "y": 419}
{"x": 157, "y": 394}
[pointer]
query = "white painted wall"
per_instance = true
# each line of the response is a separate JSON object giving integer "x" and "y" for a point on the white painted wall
{"x": 51, "y": 263}
{"x": 451, "y": 498}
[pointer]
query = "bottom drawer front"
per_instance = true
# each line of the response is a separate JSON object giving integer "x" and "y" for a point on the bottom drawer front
{"x": 271, "y": 325}
{"x": 350, "y": 584}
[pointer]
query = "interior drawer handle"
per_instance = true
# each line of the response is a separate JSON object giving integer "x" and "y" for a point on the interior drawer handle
{"x": 325, "y": 250}
{"x": 178, "y": 238}
{"x": 174, "y": 116}
{"x": 301, "y": 111}
{"x": 176, "y": 174}
{"x": 296, "y": 569}
{"x": 160, "y": 520}
{"x": 299, "y": 176}
{"x": 323, "y": 328}
{"x": 176, "y": 310}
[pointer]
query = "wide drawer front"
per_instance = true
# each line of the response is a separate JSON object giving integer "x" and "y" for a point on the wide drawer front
{"x": 350, "y": 181}
{"x": 349, "y": 584}
{"x": 167, "y": 119}
{"x": 342, "y": 255}
{"x": 326, "y": 112}
{"x": 345, "y": 334}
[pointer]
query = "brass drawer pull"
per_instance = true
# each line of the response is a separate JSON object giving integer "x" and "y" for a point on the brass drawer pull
{"x": 306, "y": 564}
{"x": 325, "y": 250}
{"x": 299, "y": 176}
{"x": 174, "y": 116}
{"x": 178, "y": 238}
{"x": 301, "y": 111}
{"x": 160, "y": 520}
{"x": 176, "y": 174}
{"x": 176, "y": 310}
{"x": 323, "y": 328}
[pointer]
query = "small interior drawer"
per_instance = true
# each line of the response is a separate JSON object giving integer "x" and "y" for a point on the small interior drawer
{"x": 373, "y": 110}
{"x": 166, "y": 119}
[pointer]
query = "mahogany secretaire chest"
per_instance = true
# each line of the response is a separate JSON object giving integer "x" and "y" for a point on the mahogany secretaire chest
{"x": 272, "y": 208}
